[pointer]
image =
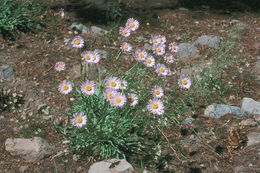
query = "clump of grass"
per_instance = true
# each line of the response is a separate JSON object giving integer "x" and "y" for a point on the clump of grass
{"x": 19, "y": 16}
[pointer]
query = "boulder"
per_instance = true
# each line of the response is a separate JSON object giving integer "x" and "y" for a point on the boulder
{"x": 250, "y": 106}
{"x": 219, "y": 110}
{"x": 111, "y": 166}
{"x": 79, "y": 28}
{"x": 208, "y": 40}
{"x": 186, "y": 51}
{"x": 98, "y": 30}
{"x": 29, "y": 149}
{"x": 253, "y": 138}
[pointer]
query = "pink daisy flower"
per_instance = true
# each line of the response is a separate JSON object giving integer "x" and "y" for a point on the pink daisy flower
{"x": 113, "y": 83}
{"x": 79, "y": 120}
{"x": 77, "y": 42}
{"x": 95, "y": 58}
{"x": 60, "y": 66}
{"x": 161, "y": 69}
{"x": 61, "y": 13}
{"x": 132, "y": 24}
{"x": 124, "y": 31}
{"x": 118, "y": 100}
{"x": 159, "y": 49}
{"x": 140, "y": 55}
{"x": 169, "y": 58}
{"x": 149, "y": 61}
{"x": 155, "y": 106}
{"x": 132, "y": 99}
{"x": 65, "y": 87}
{"x": 87, "y": 56}
{"x": 157, "y": 91}
{"x": 171, "y": 71}
{"x": 173, "y": 47}
{"x": 154, "y": 40}
{"x": 88, "y": 88}
{"x": 123, "y": 84}
{"x": 126, "y": 47}
{"x": 109, "y": 94}
{"x": 162, "y": 39}
{"x": 184, "y": 82}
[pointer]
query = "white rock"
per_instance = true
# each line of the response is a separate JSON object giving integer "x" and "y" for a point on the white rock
{"x": 30, "y": 149}
{"x": 116, "y": 165}
{"x": 253, "y": 138}
{"x": 250, "y": 106}
{"x": 97, "y": 30}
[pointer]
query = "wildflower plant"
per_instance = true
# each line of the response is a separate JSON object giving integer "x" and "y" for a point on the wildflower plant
{"x": 112, "y": 114}
{"x": 19, "y": 16}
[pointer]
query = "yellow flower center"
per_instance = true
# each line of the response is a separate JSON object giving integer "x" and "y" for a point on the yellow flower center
{"x": 155, "y": 106}
{"x": 168, "y": 58}
{"x": 170, "y": 71}
{"x": 131, "y": 99}
{"x": 173, "y": 47}
{"x": 124, "y": 31}
{"x": 161, "y": 69}
{"x": 141, "y": 56}
{"x": 87, "y": 57}
{"x": 60, "y": 66}
{"x": 88, "y": 88}
{"x": 125, "y": 47}
{"x": 158, "y": 49}
{"x": 94, "y": 58}
{"x": 112, "y": 83}
{"x": 117, "y": 100}
{"x": 77, "y": 42}
{"x": 79, "y": 120}
{"x": 132, "y": 25}
{"x": 157, "y": 92}
{"x": 184, "y": 81}
{"x": 109, "y": 95}
{"x": 149, "y": 61}
{"x": 154, "y": 41}
{"x": 65, "y": 87}
{"x": 122, "y": 84}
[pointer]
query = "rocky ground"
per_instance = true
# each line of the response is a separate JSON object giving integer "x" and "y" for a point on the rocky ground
{"x": 218, "y": 137}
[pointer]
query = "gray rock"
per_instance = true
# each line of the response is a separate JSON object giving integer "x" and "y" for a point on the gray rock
{"x": 188, "y": 120}
{"x": 79, "y": 28}
{"x": 29, "y": 149}
{"x": 98, "y": 30}
{"x": 253, "y": 138}
{"x": 103, "y": 167}
{"x": 219, "y": 110}
{"x": 6, "y": 72}
{"x": 208, "y": 40}
{"x": 187, "y": 50}
{"x": 250, "y": 106}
